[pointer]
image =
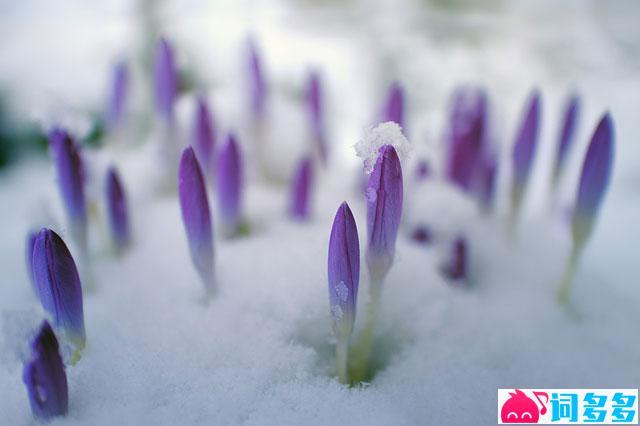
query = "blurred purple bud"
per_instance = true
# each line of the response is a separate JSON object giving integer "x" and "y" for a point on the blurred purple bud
{"x": 343, "y": 271}
{"x": 567, "y": 132}
{"x": 117, "y": 213}
{"x": 31, "y": 240}
{"x": 487, "y": 181}
{"x": 594, "y": 180}
{"x": 423, "y": 170}
{"x": 301, "y": 190}
{"x": 455, "y": 267}
{"x": 196, "y": 216}
{"x": 58, "y": 283}
{"x": 204, "y": 136}
{"x": 315, "y": 104}
{"x": 524, "y": 150}
{"x": 165, "y": 75}
{"x": 44, "y": 376}
{"x": 229, "y": 168}
{"x": 384, "y": 210}
{"x": 257, "y": 82}
{"x": 118, "y": 98}
{"x": 422, "y": 235}
{"x": 394, "y": 105}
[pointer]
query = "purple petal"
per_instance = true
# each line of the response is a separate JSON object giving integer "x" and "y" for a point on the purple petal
{"x": 257, "y": 82}
{"x": 196, "y": 216}
{"x": 343, "y": 270}
{"x": 487, "y": 181}
{"x": 423, "y": 170}
{"x": 165, "y": 77}
{"x": 229, "y": 168}
{"x": 58, "y": 282}
{"x": 301, "y": 189}
{"x": 204, "y": 136}
{"x": 31, "y": 240}
{"x": 117, "y": 209}
{"x": 45, "y": 378}
{"x": 567, "y": 133}
{"x": 118, "y": 96}
{"x": 384, "y": 210}
{"x": 394, "y": 105}
{"x": 525, "y": 148}
{"x": 455, "y": 268}
{"x": 315, "y": 104}
{"x": 596, "y": 173}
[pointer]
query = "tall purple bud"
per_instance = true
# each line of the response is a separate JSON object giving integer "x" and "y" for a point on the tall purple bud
{"x": 394, "y": 106}
{"x": 257, "y": 84}
{"x": 68, "y": 165}
{"x": 343, "y": 277}
{"x": 58, "y": 283}
{"x": 384, "y": 210}
{"x": 524, "y": 151}
{"x": 229, "y": 173}
{"x": 165, "y": 79}
{"x": 204, "y": 136}
{"x": 118, "y": 97}
{"x": 196, "y": 216}
{"x": 487, "y": 181}
{"x": 315, "y": 105}
{"x": 117, "y": 212}
{"x": 31, "y": 240}
{"x": 567, "y": 133}
{"x": 44, "y": 376}
{"x": 301, "y": 190}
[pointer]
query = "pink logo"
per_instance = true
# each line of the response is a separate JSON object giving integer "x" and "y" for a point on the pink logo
{"x": 519, "y": 408}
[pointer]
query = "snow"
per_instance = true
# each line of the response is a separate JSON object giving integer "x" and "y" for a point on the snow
{"x": 388, "y": 133}
{"x": 262, "y": 351}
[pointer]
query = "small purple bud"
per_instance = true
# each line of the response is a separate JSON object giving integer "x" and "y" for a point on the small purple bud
{"x": 301, "y": 189}
{"x": 118, "y": 98}
{"x": 455, "y": 267}
{"x": 315, "y": 104}
{"x": 567, "y": 133}
{"x": 204, "y": 136}
{"x": 487, "y": 181}
{"x": 257, "y": 82}
{"x": 196, "y": 216}
{"x": 58, "y": 283}
{"x": 384, "y": 210}
{"x": 165, "y": 77}
{"x": 31, "y": 240}
{"x": 423, "y": 170}
{"x": 394, "y": 106}
{"x": 117, "y": 209}
{"x": 229, "y": 168}
{"x": 45, "y": 378}
{"x": 422, "y": 235}
{"x": 524, "y": 150}
{"x": 594, "y": 180}
{"x": 343, "y": 271}
{"x": 68, "y": 164}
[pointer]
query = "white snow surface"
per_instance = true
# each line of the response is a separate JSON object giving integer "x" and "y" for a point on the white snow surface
{"x": 389, "y": 133}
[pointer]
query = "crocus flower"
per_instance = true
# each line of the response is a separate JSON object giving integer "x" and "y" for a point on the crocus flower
{"x": 118, "y": 97}
{"x": 567, "y": 132}
{"x": 257, "y": 84}
{"x": 45, "y": 378}
{"x": 455, "y": 267}
{"x": 229, "y": 172}
{"x": 384, "y": 209}
{"x": 196, "y": 216}
{"x": 165, "y": 77}
{"x": 423, "y": 170}
{"x": 343, "y": 277}
{"x": 68, "y": 165}
{"x": 117, "y": 214}
{"x": 394, "y": 105}
{"x": 315, "y": 106}
{"x": 31, "y": 240}
{"x": 204, "y": 136}
{"x": 301, "y": 189}
{"x": 486, "y": 187}
{"x": 58, "y": 283}
{"x": 524, "y": 151}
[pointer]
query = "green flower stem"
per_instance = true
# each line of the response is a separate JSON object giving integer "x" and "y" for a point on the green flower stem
{"x": 342, "y": 355}
{"x": 564, "y": 287}
{"x": 362, "y": 353}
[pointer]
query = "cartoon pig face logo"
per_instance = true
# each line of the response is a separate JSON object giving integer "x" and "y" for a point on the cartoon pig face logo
{"x": 519, "y": 408}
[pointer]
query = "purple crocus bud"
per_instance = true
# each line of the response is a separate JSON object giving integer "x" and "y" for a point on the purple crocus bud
{"x": 594, "y": 180}
{"x": 257, "y": 82}
{"x": 45, "y": 378}
{"x": 384, "y": 210}
{"x": 165, "y": 78}
{"x": 196, "y": 216}
{"x": 31, "y": 240}
{"x": 567, "y": 133}
{"x": 394, "y": 105}
{"x": 204, "y": 136}
{"x": 118, "y": 98}
{"x": 68, "y": 165}
{"x": 58, "y": 283}
{"x": 423, "y": 170}
{"x": 343, "y": 271}
{"x": 229, "y": 168}
{"x": 422, "y": 235}
{"x": 301, "y": 189}
{"x": 487, "y": 181}
{"x": 455, "y": 268}
{"x": 117, "y": 209}
{"x": 315, "y": 105}
{"x": 524, "y": 151}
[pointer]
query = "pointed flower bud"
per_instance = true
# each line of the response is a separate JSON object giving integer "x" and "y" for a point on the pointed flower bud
{"x": 204, "y": 136}
{"x": 487, "y": 181}
{"x": 315, "y": 105}
{"x": 117, "y": 209}
{"x": 229, "y": 168}
{"x": 343, "y": 271}
{"x": 196, "y": 216}
{"x": 118, "y": 98}
{"x": 394, "y": 105}
{"x": 68, "y": 165}
{"x": 45, "y": 378}
{"x": 594, "y": 180}
{"x": 567, "y": 133}
{"x": 524, "y": 151}
{"x": 384, "y": 210}
{"x": 301, "y": 189}
{"x": 58, "y": 282}
{"x": 455, "y": 268}
{"x": 257, "y": 84}
{"x": 165, "y": 79}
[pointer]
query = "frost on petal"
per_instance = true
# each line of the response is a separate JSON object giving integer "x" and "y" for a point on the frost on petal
{"x": 165, "y": 79}
{"x": 567, "y": 133}
{"x": 204, "y": 136}
{"x": 389, "y": 133}
{"x": 301, "y": 190}
{"x": 117, "y": 213}
{"x": 118, "y": 97}
{"x": 229, "y": 181}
